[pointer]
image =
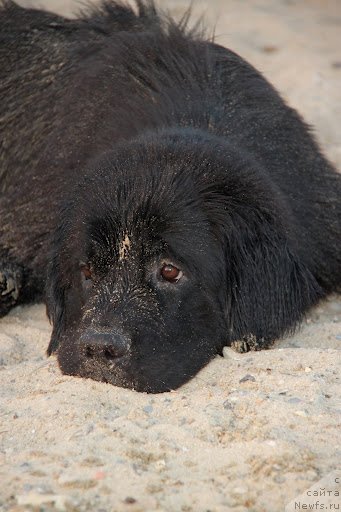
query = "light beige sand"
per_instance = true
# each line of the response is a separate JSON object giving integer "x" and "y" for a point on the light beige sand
{"x": 251, "y": 431}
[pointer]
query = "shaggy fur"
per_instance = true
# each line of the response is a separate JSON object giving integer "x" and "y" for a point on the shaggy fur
{"x": 129, "y": 142}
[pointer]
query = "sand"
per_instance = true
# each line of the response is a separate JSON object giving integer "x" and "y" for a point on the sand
{"x": 252, "y": 431}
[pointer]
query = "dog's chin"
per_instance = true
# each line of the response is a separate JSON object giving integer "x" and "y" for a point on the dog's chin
{"x": 125, "y": 372}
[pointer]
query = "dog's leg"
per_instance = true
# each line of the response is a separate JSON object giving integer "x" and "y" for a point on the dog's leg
{"x": 10, "y": 285}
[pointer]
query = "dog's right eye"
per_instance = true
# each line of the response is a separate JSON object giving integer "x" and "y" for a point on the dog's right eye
{"x": 86, "y": 271}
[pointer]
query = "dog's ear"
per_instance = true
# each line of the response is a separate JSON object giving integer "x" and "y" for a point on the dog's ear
{"x": 267, "y": 287}
{"x": 57, "y": 285}
{"x": 55, "y": 304}
{"x": 55, "y": 292}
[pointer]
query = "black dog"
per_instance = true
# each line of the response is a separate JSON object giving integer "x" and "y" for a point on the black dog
{"x": 189, "y": 207}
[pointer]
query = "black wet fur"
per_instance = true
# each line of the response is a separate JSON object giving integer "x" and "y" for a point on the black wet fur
{"x": 123, "y": 125}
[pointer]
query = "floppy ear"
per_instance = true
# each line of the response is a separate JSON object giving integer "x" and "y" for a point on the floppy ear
{"x": 60, "y": 299}
{"x": 268, "y": 289}
{"x": 55, "y": 292}
{"x": 55, "y": 305}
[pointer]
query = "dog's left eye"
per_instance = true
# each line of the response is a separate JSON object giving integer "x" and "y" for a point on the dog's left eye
{"x": 171, "y": 273}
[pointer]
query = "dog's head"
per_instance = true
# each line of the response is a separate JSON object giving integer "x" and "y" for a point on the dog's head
{"x": 170, "y": 248}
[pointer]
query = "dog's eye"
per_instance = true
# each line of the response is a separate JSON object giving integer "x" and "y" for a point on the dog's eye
{"x": 171, "y": 273}
{"x": 86, "y": 271}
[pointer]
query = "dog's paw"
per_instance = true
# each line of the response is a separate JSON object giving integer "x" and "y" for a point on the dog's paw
{"x": 250, "y": 342}
{"x": 10, "y": 284}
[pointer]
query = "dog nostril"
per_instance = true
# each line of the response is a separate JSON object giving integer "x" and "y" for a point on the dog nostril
{"x": 104, "y": 347}
{"x": 89, "y": 352}
{"x": 110, "y": 353}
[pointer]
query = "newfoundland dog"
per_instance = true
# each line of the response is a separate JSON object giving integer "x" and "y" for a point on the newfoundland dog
{"x": 157, "y": 192}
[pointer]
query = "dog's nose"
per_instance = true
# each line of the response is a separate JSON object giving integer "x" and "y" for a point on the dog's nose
{"x": 104, "y": 346}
